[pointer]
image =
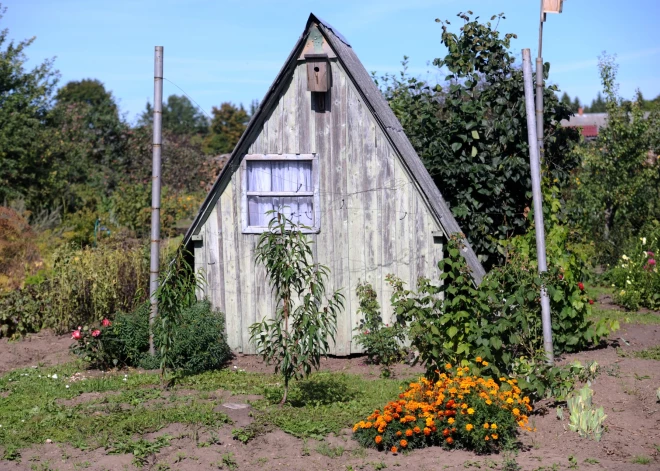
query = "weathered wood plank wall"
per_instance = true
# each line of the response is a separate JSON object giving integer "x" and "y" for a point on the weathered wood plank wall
{"x": 373, "y": 219}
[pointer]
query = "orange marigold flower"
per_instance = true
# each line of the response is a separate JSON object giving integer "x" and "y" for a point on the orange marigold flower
{"x": 486, "y": 425}
{"x": 445, "y": 433}
{"x": 486, "y": 438}
{"x": 393, "y": 449}
{"x": 403, "y": 443}
{"x": 516, "y": 411}
{"x": 398, "y": 434}
{"x": 469, "y": 427}
{"x": 378, "y": 439}
{"x": 449, "y": 440}
{"x": 409, "y": 433}
{"x": 478, "y": 359}
{"x": 495, "y": 436}
{"x": 417, "y": 430}
{"x": 427, "y": 431}
{"x": 489, "y": 402}
{"x": 485, "y": 363}
{"x": 448, "y": 366}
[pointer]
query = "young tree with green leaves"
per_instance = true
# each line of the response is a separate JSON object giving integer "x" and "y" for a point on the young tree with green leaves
{"x": 180, "y": 117}
{"x": 229, "y": 122}
{"x": 297, "y": 336}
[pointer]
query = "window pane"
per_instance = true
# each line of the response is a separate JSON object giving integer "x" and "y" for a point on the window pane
{"x": 299, "y": 209}
{"x": 279, "y": 175}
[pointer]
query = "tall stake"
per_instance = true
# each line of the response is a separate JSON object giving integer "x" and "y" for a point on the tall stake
{"x": 539, "y": 88}
{"x": 538, "y": 201}
{"x": 155, "y": 192}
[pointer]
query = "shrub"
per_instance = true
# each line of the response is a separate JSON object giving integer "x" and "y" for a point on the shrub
{"x": 25, "y": 310}
{"x": 499, "y": 320}
{"x": 457, "y": 410}
{"x": 19, "y": 255}
{"x": 636, "y": 278}
{"x": 199, "y": 342}
{"x": 381, "y": 343}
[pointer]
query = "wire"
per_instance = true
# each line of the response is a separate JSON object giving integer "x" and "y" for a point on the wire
{"x": 189, "y": 97}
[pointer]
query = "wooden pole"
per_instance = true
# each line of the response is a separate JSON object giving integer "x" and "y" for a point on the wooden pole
{"x": 538, "y": 201}
{"x": 155, "y": 192}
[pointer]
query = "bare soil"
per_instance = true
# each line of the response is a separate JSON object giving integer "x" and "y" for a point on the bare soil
{"x": 626, "y": 388}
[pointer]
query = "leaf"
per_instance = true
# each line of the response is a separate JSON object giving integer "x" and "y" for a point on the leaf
{"x": 452, "y": 331}
{"x": 475, "y": 134}
{"x": 474, "y": 151}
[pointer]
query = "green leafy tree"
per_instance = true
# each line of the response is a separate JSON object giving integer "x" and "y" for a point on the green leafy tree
{"x": 180, "y": 117}
{"x": 617, "y": 190}
{"x": 227, "y": 126}
{"x": 471, "y": 133}
{"x": 305, "y": 318}
{"x": 90, "y": 92}
{"x": 25, "y": 98}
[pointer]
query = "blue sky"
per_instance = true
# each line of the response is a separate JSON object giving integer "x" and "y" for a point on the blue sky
{"x": 231, "y": 50}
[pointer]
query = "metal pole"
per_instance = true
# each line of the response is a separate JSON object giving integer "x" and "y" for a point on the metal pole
{"x": 538, "y": 201}
{"x": 155, "y": 192}
{"x": 539, "y": 88}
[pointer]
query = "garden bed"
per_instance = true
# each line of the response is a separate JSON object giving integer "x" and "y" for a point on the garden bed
{"x": 625, "y": 388}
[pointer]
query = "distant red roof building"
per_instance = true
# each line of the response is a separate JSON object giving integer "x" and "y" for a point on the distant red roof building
{"x": 589, "y": 131}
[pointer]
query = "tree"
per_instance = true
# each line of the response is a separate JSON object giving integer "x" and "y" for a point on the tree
{"x": 471, "y": 133}
{"x": 25, "y": 98}
{"x": 576, "y": 104}
{"x": 180, "y": 117}
{"x": 297, "y": 336}
{"x": 598, "y": 105}
{"x": 617, "y": 190}
{"x": 565, "y": 99}
{"x": 90, "y": 92}
{"x": 229, "y": 123}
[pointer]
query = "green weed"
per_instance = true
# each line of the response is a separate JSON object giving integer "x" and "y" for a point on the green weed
{"x": 641, "y": 459}
{"x": 330, "y": 451}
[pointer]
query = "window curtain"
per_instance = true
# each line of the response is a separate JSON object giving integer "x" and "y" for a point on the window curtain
{"x": 280, "y": 176}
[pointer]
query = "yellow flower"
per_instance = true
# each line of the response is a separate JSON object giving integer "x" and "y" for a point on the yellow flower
{"x": 448, "y": 366}
{"x": 493, "y": 426}
{"x": 516, "y": 411}
{"x": 469, "y": 427}
{"x": 450, "y": 420}
{"x": 470, "y": 411}
{"x": 485, "y": 363}
{"x": 489, "y": 402}
{"x": 478, "y": 359}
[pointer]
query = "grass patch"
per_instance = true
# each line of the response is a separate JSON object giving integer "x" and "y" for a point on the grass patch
{"x": 624, "y": 317}
{"x": 641, "y": 459}
{"x": 32, "y": 412}
{"x": 38, "y": 406}
{"x": 652, "y": 353}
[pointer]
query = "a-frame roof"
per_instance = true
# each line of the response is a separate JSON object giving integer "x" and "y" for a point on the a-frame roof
{"x": 383, "y": 115}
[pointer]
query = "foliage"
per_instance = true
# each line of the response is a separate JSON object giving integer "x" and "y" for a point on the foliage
{"x": 25, "y": 310}
{"x": 92, "y": 345}
{"x": 297, "y": 336}
{"x": 19, "y": 254}
{"x": 381, "y": 343}
{"x": 636, "y": 278}
{"x": 180, "y": 117}
{"x": 94, "y": 283}
{"x": 499, "y": 320}
{"x": 24, "y": 100}
{"x": 471, "y": 133}
{"x": 616, "y": 191}
{"x": 141, "y": 449}
{"x": 458, "y": 409}
{"x": 585, "y": 418}
{"x": 227, "y": 126}
{"x": 200, "y": 341}
{"x": 91, "y": 92}
{"x": 175, "y": 294}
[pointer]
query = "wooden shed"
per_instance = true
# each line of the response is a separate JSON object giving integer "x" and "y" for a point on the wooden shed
{"x": 325, "y": 143}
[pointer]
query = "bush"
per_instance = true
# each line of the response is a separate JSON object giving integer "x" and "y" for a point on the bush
{"x": 457, "y": 410}
{"x": 26, "y": 310}
{"x": 199, "y": 341}
{"x": 381, "y": 343}
{"x": 636, "y": 278}
{"x": 499, "y": 320}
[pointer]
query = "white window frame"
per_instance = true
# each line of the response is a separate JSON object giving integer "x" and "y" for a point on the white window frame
{"x": 316, "y": 199}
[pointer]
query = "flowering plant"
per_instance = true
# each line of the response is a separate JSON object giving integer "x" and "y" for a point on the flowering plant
{"x": 456, "y": 410}
{"x": 92, "y": 344}
{"x": 636, "y": 278}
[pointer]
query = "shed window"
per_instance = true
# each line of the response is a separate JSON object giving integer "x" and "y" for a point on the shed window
{"x": 280, "y": 182}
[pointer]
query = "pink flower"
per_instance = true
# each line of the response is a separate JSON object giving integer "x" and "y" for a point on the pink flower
{"x": 106, "y": 323}
{"x": 651, "y": 261}
{"x": 76, "y": 334}
{"x": 650, "y": 254}
{"x": 96, "y": 333}
{"x": 581, "y": 286}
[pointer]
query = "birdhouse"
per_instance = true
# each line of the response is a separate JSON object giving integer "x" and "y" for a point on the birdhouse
{"x": 552, "y": 6}
{"x": 318, "y": 72}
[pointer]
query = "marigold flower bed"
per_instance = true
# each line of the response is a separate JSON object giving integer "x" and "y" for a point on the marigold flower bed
{"x": 457, "y": 410}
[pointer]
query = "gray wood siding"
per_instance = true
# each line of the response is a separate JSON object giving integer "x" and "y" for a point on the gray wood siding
{"x": 374, "y": 220}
